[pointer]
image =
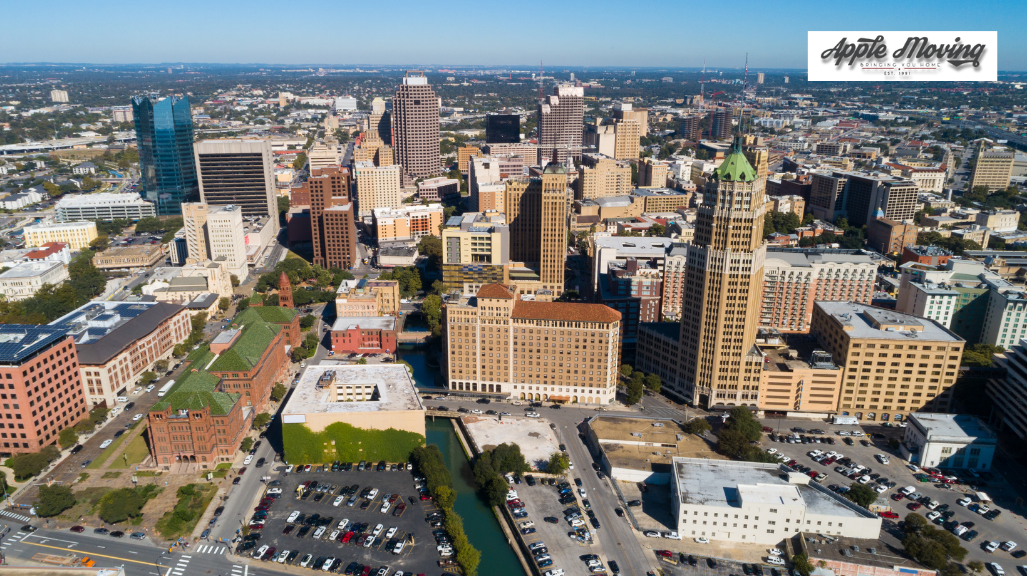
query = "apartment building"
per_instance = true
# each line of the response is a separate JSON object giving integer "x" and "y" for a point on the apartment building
{"x": 634, "y": 288}
{"x": 102, "y": 206}
{"x": 602, "y": 177}
{"x": 893, "y": 363}
{"x": 484, "y": 183}
{"x": 561, "y": 117}
{"x": 24, "y": 280}
{"x": 464, "y": 154}
{"x": 364, "y": 297}
{"x": 214, "y": 232}
{"x": 627, "y": 111}
{"x": 332, "y": 217}
{"x": 536, "y": 212}
{"x": 364, "y": 335}
{"x": 475, "y": 251}
{"x": 547, "y": 351}
{"x": 793, "y": 281}
{"x": 410, "y": 223}
{"x": 674, "y": 264}
{"x": 652, "y": 173}
{"x": 77, "y": 235}
{"x": 118, "y": 341}
{"x": 891, "y": 236}
{"x": 377, "y": 186}
{"x": 44, "y": 393}
{"x": 238, "y": 173}
{"x": 993, "y": 168}
{"x": 437, "y": 189}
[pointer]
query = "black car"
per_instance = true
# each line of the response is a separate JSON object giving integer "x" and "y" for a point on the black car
{"x": 292, "y": 556}
{"x": 118, "y": 433}
{"x": 693, "y": 561}
{"x": 594, "y": 521}
{"x": 130, "y": 406}
{"x": 619, "y": 512}
{"x": 76, "y": 449}
{"x": 235, "y": 481}
{"x": 563, "y": 448}
{"x": 577, "y": 482}
{"x": 103, "y": 531}
{"x": 303, "y": 532}
{"x": 244, "y": 546}
{"x": 484, "y": 401}
{"x": 634, "y": 503}
{"x": 711, "y": 562}
{"x": 115, "y": 534}
{"x": 551, "y": 520}
{"x": 746, "y": 569}
{"x": 219, "y": 510}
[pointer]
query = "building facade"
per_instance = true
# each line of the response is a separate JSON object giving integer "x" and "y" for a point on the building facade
{"x": 142, "y": 256}
{"x": 652, "y": 173}
{"x": 410, "y": 223}
{"x": 561, "y": 117}
{"x": 415, "y": 127}
{"x": 24, "y": 280}
{"x": 332, "y": 217}
{"x": 103, "y": 206}
{"x": 77, "y": 235}
{"x": 792, "y": 282}
{"x": 992, "y": 169}
{"x": 364, "y": 335}
{"x": 536, "y": 211}
{"x": 891, "y": 236}
{"x": 959, "y": 441}
{"x": 552, "y": 351}
{"x": 602, "y": 177}
{"x": 238, "y": 173}
{"x": 377, "y": 186}
{"x": 164, "y": 136}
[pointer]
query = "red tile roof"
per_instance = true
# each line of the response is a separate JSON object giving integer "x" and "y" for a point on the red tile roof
{"x": 566, "y": 311}
{"x": 45, "y": 250}
{"x": 495, "y": 291}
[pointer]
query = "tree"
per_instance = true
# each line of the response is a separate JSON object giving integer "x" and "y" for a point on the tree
{"x": 652, "y": 383}
{"x": 28, "y": 465}
{"x": 224, "y": 303}
{"x": 861, "y": 494}
{"x": 741, "y": 420}
{"x": 732, "y": 443}
{"x": 625, "y": 370}
{"x": 161, "y": 365}
{"x": 246, "y": 445}
{"x": 278, "y": 392}
{"x": 235, "y": 280}
{"x": 802, "y": 564}
{"x": 698, "y": 426}
{"x": 100, "y": 243}
{"x": 68, "y": 437}
{"x": 198, "y": 321}
{"x": 283, "y": 204}
{"x": 445, "y": 497}
{"x": 261, "y": 420}
{"x": 362, "y": 361}
{"x": 657, "y": 230}
{"x": 636, "y": 390}
{"x": 431, "y": 246}
{"x": 147, "y": 377}
{"x": 242, "y": 305}
{"x": 432, "y": 310}
{"x": 495, "y": 491}
{"x": 179, "y": 350}
{"x": 558, "y": 463}
{"x": 300, "y": 162}
{"x": 975, "y": 566}
{"x": 53, "y": 500}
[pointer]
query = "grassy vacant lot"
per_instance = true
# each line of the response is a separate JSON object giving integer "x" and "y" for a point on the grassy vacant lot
{"x": 340, "y": 441}
{"x": 85, "y": 500}
{"x": 136, "y": 451}
{"x": 193, "y": 500}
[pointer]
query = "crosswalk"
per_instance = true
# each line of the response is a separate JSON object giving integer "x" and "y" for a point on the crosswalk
{"x": 12, "y": 539}
{"x": 210, "y": 549}
{"x": 238, "y": 570}
{"x": 15, "y": 515}
{"x": 179, "y": 568}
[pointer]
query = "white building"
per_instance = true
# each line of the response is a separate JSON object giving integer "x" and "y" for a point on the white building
{"x": 756, "y": 503}
{"x": 59, "y": 95}
{"x": 84, "y": 168}
{"x": 928, "y": 300}
{"x": 24, "y": 280}
{"x": 1009, "y": 395}
{"x": 948, "y": 441}
{"x": 19, "y": 201}
{"x": 1005, "y": 321}
{"x": 103, "y": 206}
{"x": 77, "y": 235}
{"x": 346, "y": 103}
{"x": 999, "y": 220}
{"x": 226, "y": 237}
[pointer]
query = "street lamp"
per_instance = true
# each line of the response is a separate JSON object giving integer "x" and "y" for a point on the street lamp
{"x": 159, "y": 566}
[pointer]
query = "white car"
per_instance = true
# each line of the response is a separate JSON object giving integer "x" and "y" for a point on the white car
{"x": 581, "y": 492}
{"x": 557, "y": 572}
{"x": 293, "y": 516}
{"x": 1008, "y": 546}
{"x": 137, "y": 417}
{"x": 880, "y": 488}
{"x": 333, "y": 535}
{"x": 288, "y": 468}
{"x": 996, "y": 569}
{"x": 378, "y": 529}
{"x": 933, "y": 515}
{"x": 672, "y": 535}
{"x": 702, "y": 540}
{"x": 652, "y": 534}
{"x": 249, "y": 458}
{"x": 771, "y": 450}
{"x": 260, "y": 551}
{"x": 275, "y": 490}
{"x": 338, "y": 500}
{"x": 391, "y": 532}
{"x": 320, "y": 532}
{"x": 511, "y": 495}
{"x": 385, "y": 506}
{"x": 991, "y": 547}
{"x": 775, "y": 560}
{"x": 368, "y": 542}
{"x": 532, "y": 414}
{"x": 106, "y": 443}
{"x": 476, "y": 411}
{"x": 343, "y": 524}
{"x": 775, "y": 551}
{"x": 283, "y": 556}
{"x": 372, "y": 494}
{"x": 964, "y": 501}
{"x": 536, "y": 545}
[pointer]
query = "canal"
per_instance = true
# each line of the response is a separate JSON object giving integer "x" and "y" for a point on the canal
{"x": 480, "y": 524}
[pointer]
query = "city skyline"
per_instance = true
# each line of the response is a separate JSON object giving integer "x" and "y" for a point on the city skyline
{"x": 665, "y": 35}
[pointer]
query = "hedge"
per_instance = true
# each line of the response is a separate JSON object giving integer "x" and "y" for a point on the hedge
{"x": 351, "y": 444}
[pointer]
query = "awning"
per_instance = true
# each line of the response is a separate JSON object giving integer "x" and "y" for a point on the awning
{"x": 555, "y": 398}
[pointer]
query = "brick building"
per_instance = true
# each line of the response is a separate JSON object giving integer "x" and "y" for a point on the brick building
{"x": 890, "y": 236}
{"x": 929, "y": 255}
{"x": 793, "y": 281}
{"x": 42, "y": 392}
{"x": 364, "y": 335}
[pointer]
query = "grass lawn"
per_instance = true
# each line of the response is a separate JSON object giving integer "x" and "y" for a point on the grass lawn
{"x": 290, "y": 254}
{"x": 85, "y": 499}
{"x": 171, "y": 526}
{"x": 136, "y": 452}
{"x": 110, "y": 475}
{"x": 148, "y": 473}
{"x": 105, "y": 455}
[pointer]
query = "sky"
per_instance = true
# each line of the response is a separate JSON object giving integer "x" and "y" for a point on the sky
{"x": 599, "y": 33}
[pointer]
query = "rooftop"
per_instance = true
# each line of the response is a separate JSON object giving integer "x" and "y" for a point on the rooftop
{"x": 102, "y": 329}
{"x": 394, "y": 390}
{"x": 929, "y": 251}
{"x": 624, "y": 440}
{"x": 959, "y": 428}
{"x": 20, "y": 341}
{"x": 31, "y": 269}
{"x": 197, "y": 389}
{"x": 365, "y": 323}
{"x": 860, "y": 321}
{"x": 101, "y": 199}
{"x": 255, "y": 337}
{"x": 565, "y": 311}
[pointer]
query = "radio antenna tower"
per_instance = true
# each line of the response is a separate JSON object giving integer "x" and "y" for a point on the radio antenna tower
{"x": 539, "y": 80}
{"x": 745, "y": 76}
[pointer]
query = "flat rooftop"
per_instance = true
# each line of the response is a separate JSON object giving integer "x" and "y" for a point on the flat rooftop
{"x": 951, "y": 427}
{"x": 31, "y": 269}
{"x": 395, "y": 390}
{"x": 861, "y": 321}
{"x": 365, "y": 322}
{"x": 630, "y": 442}
{"x": 870, "y": 552}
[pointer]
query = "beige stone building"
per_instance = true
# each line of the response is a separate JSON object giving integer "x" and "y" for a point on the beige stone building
{"x": 652, "y": 173}
{"x": 377, "y": 186}
{"x": 602, "y": 176}
{"x": 379, "y": 125}
{"x": 410, "y": 223}
{"x": 998, "y": 220}
{"x": 536, "y": 211}
{"x": 216, "y": 233}
{"x": 464, "y": 154}
{"x": 798, "y": 377}
{"x": 367, "y": 298}
{"x": 23, "y": 280}
{"x": 141, "y": 256}
{"x": 323, "y": 156}
{"x": 626, "y": 111}
{"x": 892, "y": 363}
{"x": 77, "y": 235}
{"x": 785, "y": 204}
{"x": 553, "y": 351}
{"x": 992, "y": 169}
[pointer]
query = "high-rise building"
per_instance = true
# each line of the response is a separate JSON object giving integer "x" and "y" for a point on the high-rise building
{"x": 536, "y": 210}
{"x": 627, "y": 140}
{"x": 214, "y": 232}
{"x": 581, "y": 350}
{"x": 992, "y": 169}
{"x": 164, "y": 136}
{"x": 415, "y": 124}
{"x": 59, "y": 95}
{"x": 561, "y": 117}
{"x": 601, "y": 177}
{"x": 759, "y": 77}
{"x": 464, "y": 154}
{"x": 688, "y": 128}
{"x": 475, "y": 251}
{"x": 652, "y": 173}
{"x": 858, "y": 196}
{"x": 502, "y": 128}
{"x": 39, "y": 364}
{"x": 634, "y": 288}
{"x": 377, "y": 186}
{"x": 827, "y": 195}
{"x": 409, "y": 223}
{"x": 332, "y": 217}
{"x": 379, "y": 124}
{"x": 720, "y": 124}
{"x": 240, "y": 173}
{"x": 856, "y": 333}
{"x": 625, "y": 111}
{"x": 720, "y": 308}
{"x": 482, "y": 170}
{"x": 793, "y": 281}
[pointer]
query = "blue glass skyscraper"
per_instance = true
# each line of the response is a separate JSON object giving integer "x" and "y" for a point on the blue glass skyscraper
{"x": 164, "y": 133}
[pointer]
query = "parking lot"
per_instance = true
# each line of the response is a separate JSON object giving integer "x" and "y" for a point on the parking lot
{"x": 863, "y": 451}
{"x": 367, "y": 546}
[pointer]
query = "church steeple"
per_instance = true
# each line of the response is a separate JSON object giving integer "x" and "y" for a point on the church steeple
{"x": 285, "y": 291}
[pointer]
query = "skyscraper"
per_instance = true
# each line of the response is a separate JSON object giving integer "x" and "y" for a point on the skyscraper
{"x": 164, "y": 134}
{"x": 720, "y": 308}
{"x": 502, "y": 128}
{"x": 415, "y": 123}
{"x": 536, "y": 211}
{"x": 379, "y": 124}
{"x": 238, "y": 172}
{"x": 689, "y": 128}
{"x": 992, "y": 169}
{"x": 720, "y": 124}
{"x": 561, "y": 118}
{"x": 332, "y": 217}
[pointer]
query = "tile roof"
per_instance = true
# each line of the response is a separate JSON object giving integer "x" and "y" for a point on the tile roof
{"x": 567, "y": 311}
{"x": 495, "y": 291}
{"x": 196, "y": 391}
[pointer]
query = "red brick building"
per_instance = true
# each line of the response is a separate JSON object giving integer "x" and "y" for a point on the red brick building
{"x": 930, "y": 255}
{"x": 364, "y": 335}
{"x": 41, "y": 392}
{"x": 251, "y": 358}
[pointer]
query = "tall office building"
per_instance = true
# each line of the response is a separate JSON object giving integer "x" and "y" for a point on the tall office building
{"x": 502, "y": 128}
{"x": 415, "y": 123}
{"x": 377, "y": 186}
{"x": 164, "y": 135}
{"x": 688, "y": 128}
{"x": 536, "y": 210}
{"x": 720, "y": 124}
{"x": 59, "y": 95}
{"x": 332, "y": 217}
{"x": 379, "y": 124}
{"x": 212, "y": 232}
{"x": 240, "y": 173}
{"x": 602, "y": 176}
{"x": 561, "y": 117}
{"x": 720, "y": 308}
{"x": 993, "y": 168}
{"x": 652, "y": 173}
{"x": 625, "y": 111}
{"x": 858, "y": 196}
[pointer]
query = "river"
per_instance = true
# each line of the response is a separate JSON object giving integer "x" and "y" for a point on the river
{"x": 480, "y": 524}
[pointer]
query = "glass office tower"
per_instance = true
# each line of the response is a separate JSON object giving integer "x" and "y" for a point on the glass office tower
{"x": 164, "y": 133}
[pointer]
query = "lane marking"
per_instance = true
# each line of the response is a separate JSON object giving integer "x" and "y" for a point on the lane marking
{"x": 92, "y": 554}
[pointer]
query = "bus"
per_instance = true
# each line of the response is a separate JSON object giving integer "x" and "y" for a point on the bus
{"x": 164, "y": 389}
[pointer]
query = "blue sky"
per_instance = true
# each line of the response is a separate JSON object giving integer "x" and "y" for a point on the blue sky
{"x": 563, "y": 33}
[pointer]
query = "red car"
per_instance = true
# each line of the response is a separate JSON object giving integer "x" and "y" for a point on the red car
{"x": 77, "y": 529}
{"x": 366, "y": 572}
{"x": 664, "y": 553}
{"x": 513, "y": 501}
{"x": 347, "y": 537}
{"x": 768, "y": 429}
{"x": 425, "y": 496}
{"x": 896, "y": 496}
{"x": 914, "y": 506}
{"x": 792, "y": 462}
{"x": 242, "y": 471}
{"x": 256, "y": 525}
{"x": 888, "y": 514}
{"x": 399, "y": 509}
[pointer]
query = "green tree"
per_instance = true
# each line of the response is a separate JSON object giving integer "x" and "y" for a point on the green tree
{"x": 300, "y": 162}
{"x": 975, "y": 566}
{"x": 161, "y": 365}
{"x": 283, "y": 205}
{"x": 431, "y": 246}
{"x": 53, "y": 500}
{"x": 278, "y": 391}
{"x": 431, "y": 307}
{"x": 732, "y": 443}
{"x": 445, "y": 497}
{"x": 261, "y": 420}
{"x": 495, "y": 491}
{"x": 307, "y": 321}
{"x": 657, "y": 230}
{"x": 242, "y": 305}
{"x": 741, "y": 420}
{"x": 235, "y": 280}
{"x": 362, "y": 361}
{"x": 697, "y": 426}
{"x": 68, "y": 437}
{"x": 100, "y": 243}
{"x": 861, "y": 494}
{"x": 179, "y": 350}
{"x": 224, "y": 303}
{"x": 246, "y": 445}
{"x": 27, "y": 465}
{"x": 558, "y": 463}
{"x": 147, "y": 377}
{"x": 625, "y": 370}
{"x": 653, "y": 383}
{"x": 802, "y": 564}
